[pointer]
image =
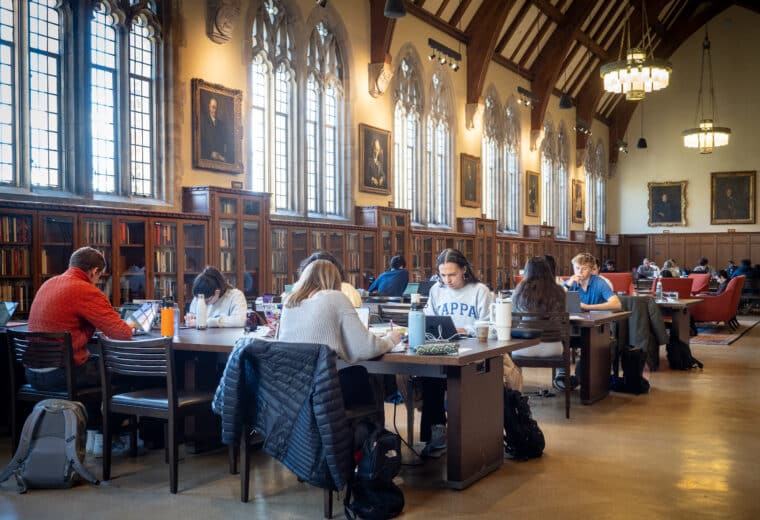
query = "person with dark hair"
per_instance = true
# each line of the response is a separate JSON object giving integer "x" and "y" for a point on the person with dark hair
{"x": 458, "y": 294}
{"x": 538, "y": 292}
{"x": 72, "y": 302}
{"x": 666, "y": 273}
{"x": 745, "y": 268}
{"x": 723, "y": 278}
{"x": 703, "y": 267}
{"x": 346, "y": 288}
{"x": 609, "y": 266}
{"x": 225, "y": 305}
{"x": 551, "y": 262}
{"x": 392, "y": 282}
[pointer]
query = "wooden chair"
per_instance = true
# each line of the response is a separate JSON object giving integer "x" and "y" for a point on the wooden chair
{"x": 621, "y": 282}
{"x": 680, "y": 285}
{"x": 554, "y": 326}
{"x": 398, "y": 313}
{"x": 41, "y": 350}
{"x": 151, "y": 359}
{"x": 700, "y": 282}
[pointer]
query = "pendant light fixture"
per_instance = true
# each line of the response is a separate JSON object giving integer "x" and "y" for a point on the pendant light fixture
{"x": 706, "y": 136}
{"x": 642, "y": 143}
{"x": 394, "y": 9}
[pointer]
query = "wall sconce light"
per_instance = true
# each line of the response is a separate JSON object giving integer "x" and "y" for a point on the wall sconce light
{"x": 526, "y": 98}
{"x": 622, "y": 146}
{"x": 444, "y": 54}
{"x": 582, "y": 127}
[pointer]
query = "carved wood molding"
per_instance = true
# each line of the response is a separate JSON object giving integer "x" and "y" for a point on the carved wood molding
{"x": 221, "y": 16}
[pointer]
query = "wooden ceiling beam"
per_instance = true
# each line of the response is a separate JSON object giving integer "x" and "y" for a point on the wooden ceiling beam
{"x": 380, "y": 32}
{"x": 536, "y": 41}
{"x": 547, "y": 64}
{"x": 482, "y": 33}
{"x": 457, "y": 16}
{"x": 752, "y": 5}
{"x": 441, "y": 8}
{"x": 513, "y": 26}
{"x": 436, "y": 22}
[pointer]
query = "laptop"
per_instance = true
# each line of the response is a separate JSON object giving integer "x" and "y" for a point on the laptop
{"x": 143, "y": 315}
{"x": 441, "y": 328}
{"x": 411, "y": 288}
{"x": 573, "y": 301}
{"x": 6, "y": 311}
{"x": 424, "y": 287}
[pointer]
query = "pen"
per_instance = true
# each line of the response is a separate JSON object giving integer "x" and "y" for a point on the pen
{"x": 391, "y": 324}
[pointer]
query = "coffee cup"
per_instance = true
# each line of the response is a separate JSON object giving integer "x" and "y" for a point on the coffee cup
{"x": 481, "y": 330}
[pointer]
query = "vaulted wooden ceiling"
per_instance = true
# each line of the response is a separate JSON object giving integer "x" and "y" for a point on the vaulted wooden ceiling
{"x": 557, "y": 45}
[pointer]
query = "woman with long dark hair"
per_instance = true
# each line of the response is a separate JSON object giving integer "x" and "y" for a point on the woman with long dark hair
{"x": 225, "y": 305}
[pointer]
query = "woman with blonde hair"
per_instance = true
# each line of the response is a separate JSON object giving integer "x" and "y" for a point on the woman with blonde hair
{"x": 316, "y": 311}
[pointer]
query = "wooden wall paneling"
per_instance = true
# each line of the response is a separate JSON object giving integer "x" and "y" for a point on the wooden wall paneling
{"x": 754, "y": 248}
{"x": 741, "y": 247}
{"x": 724, "y": 252}
{"x": 676, "y": 248}
{"x": 638, "y": 249}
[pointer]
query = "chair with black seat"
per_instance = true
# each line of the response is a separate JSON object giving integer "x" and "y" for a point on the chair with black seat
{"x": 149, "y": 359}
{"x": 554, "y": 326}
{"x": 42, "y": 350}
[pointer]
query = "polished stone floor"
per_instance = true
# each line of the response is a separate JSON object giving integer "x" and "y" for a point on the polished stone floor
{"x": 689, "y": 449}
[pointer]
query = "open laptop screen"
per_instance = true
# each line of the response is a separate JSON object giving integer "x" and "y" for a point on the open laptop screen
{"x": 573, "y": 299}
{"x": 441, "y": 327}
{"x": 411, "y": 288}
{"x": 6, "y": 311}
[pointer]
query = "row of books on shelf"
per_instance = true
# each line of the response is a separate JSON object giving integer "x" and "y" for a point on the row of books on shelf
{"x": 165, "y": 261}
{"x": 131, "y": 233}
{"x": 55, "y": 262}
{"x": 164, "y": 288}
{"x": 165, "y": 234}
{"x": 227, "y": 236}
{"x": 227, "y": 206}
{"x": 279, "y": 239}
{"x": 15, "y": 229}
{"x": 97, "y": 232}
{"x": 20, "y": 292}
{"x": 226, "y": 261}
{"x": 279, "y": 261}
{"x": 14, "y": 262}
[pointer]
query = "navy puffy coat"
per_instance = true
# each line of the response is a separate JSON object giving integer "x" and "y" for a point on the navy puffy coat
{"x": 290, "y": 393}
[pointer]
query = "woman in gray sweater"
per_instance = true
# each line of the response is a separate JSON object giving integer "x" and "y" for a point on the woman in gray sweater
{"x": 317, "y": 312}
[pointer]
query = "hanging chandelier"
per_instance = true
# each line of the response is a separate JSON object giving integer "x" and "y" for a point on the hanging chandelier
{"x": 639, "y": 72}
{"x": 706, "y": 135}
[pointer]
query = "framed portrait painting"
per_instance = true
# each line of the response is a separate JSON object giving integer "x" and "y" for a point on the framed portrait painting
{"x": 469, "y": 182}
{"x": 667, "y": 203}
{"x": 732, "y": 197}
{"x": 217, "y": 128}
{"x": 579, "y": 206}
{"x": 532, "y": 194}
{"x": 374, "y": 160}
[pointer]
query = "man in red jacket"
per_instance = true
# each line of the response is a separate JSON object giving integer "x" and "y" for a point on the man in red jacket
{"x": 72, "y": 302}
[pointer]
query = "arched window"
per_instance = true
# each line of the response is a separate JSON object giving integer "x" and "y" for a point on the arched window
{"x": 600, "y": 220}
{"x": 513, "y": 196}
{"x": 273, "y": 107}
{"x": 494, "y": 185}
{"x": 439, "y": 175}
{"x": 562, "y": 192}
{"x": 549, "y": 176}
{"x": 589, "y": 165}
{"x": 324, "y": 116}
{"x": 109, "y": 37}
{"x": 407, "y": 136}
{"x": 119, "y": 154}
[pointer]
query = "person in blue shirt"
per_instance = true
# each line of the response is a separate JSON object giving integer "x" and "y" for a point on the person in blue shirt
{"x": 595, "y": 295}
{"x": 393, "y": 282}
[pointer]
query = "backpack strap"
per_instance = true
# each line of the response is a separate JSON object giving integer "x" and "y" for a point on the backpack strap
{"x": 23, "y": 449}
{"x": 70, "y": 431}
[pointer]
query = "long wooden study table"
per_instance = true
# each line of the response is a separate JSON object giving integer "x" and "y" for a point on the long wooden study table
{"x": 475, "y": 396}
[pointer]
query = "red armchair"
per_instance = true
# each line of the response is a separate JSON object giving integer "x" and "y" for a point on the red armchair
{"x": 621, "y": 282}
{"x": 722, "y": 307}
{"x": 680, "y": 285}
{"x": 700, "y": 282}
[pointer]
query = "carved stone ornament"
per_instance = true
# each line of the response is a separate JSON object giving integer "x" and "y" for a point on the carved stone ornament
{"x": 473, "y": 114}
{"x": 221, "y": 17}
{"x": 379, "y": 76}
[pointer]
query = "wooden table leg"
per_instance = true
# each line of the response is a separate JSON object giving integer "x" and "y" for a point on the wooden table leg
{"x": 595, "y": 363}
{"x": 475, "y": 421}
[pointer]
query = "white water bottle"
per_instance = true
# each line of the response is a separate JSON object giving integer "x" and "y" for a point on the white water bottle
{"x": 416, "y": 323}
{"x": 176, "y": 322}
{"x": 200, "y": 312}
{"x": 658, "y": 290}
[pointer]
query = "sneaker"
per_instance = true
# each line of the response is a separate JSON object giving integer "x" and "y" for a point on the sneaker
{"x": 395, "y": 398}
{"x": 559, "y": 383}
{"x": 437, "y": 440}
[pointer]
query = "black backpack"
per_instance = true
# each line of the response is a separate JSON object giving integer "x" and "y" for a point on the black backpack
{"x": 523, "y": 439}
{"x": 633, "y": 380}
{"x": 680, "y": 358}
{"x": 371, "y": 492}
{"x": 51, "y": 448}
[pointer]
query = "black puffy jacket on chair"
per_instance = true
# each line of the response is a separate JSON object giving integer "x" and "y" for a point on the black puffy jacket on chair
{"x": 290, "y": 393}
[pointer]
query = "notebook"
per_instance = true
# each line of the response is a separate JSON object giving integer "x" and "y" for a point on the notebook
{"x": 573, "y": 301}
{"x": 441, "y": 327}
{"x": 6, "y": 311}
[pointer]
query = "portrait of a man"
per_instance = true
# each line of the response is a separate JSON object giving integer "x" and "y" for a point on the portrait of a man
{"x": 733, "y": 198}
{"x": 375, "y": 160}
{"x": 667, "y": 204}
{"x": 470, "y": 181}
{"x": 217, "y": 138}
{"x": 532, "y": 194}
{"x": 578, "y": 206}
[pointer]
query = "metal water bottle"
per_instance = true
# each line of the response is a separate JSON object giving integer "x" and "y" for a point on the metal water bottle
{"x": 176, "y": 321}
{"x": 200, "y": 313}
{"x": 416, "y": 323}
{"x": 658, "y": 290}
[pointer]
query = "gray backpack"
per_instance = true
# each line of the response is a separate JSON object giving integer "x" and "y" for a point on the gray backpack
{"x": 52, "y": 447}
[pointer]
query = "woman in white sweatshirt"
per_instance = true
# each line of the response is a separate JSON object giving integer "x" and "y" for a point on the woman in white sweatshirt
{"x": 225, "y": 305}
